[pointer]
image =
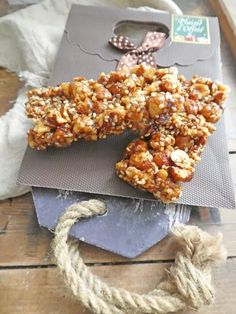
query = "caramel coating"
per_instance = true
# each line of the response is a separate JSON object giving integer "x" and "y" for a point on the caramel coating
{"x": 174, "y": 117}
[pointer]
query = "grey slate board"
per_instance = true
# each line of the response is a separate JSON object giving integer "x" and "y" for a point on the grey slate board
{"x": 128, "y": 228}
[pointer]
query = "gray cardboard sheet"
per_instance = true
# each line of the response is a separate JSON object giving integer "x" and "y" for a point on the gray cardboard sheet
{"x": 89, "y": 166}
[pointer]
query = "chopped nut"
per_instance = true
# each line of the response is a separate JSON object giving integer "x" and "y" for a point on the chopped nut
{"x": 163, "y": 174}
{"x": 162, "y": 158}
{"x": 141, "y": 160}
{"x": 59, "y": 118}
{"x": 40, "y": 128}
{"x": 200, "y": 90}
{"x": 148, "y": 74}
{"x": 180, "y": 158}
{"x": 66, "y": 89}
{"x": 183, "y": 142}
{"x": 156, "y": 105}
{"x": 169, "y": 83}
{"x": 102, "y": 93}
{"x": 211, "y": 112}
{"x": 180, "y": 175}
{"x": 137, "y": 146}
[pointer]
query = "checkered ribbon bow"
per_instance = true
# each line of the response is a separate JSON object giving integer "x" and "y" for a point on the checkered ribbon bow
{"x": 153, "y": 41}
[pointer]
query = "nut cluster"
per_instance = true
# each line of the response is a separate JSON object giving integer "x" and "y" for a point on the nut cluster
{"x": 174, "y": 117}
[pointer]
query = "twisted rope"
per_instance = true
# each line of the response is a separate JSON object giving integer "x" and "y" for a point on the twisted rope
{"x": 188, "y": 282}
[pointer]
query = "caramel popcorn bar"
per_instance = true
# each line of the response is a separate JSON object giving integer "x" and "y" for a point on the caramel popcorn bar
{"x": 173, "y": 116}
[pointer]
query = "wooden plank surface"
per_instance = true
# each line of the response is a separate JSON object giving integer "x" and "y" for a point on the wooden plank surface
{"x": 232, "y": 145}
{"x": 18, "y": 221}
{"x": 42, "y": 290}
{"x": 226, "y": 11}
{"x": 9, "y": 86}
{"x": 29, "y": 282}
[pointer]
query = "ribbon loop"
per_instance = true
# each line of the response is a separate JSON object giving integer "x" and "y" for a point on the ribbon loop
{"x": 152, "y": 42}
{"x": 122, "y": 43}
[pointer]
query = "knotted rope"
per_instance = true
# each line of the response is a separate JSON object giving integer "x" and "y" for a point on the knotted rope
{"x": 188, "y": 282}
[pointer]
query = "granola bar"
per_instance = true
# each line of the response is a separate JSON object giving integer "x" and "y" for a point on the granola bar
{"x": 92, "y": 110}
{"x": 174, "y": 117}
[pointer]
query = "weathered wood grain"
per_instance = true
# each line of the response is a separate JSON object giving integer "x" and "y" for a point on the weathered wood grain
{"x": 3, "y": 7}
{"x": 18, "y": 221}
{"x": 9, "y": 86}
{"x": 25, "y": 288}
{"x": 226, "y": 11}
{"x": 40, "y": 291}
{"x": 232, "y": 144}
